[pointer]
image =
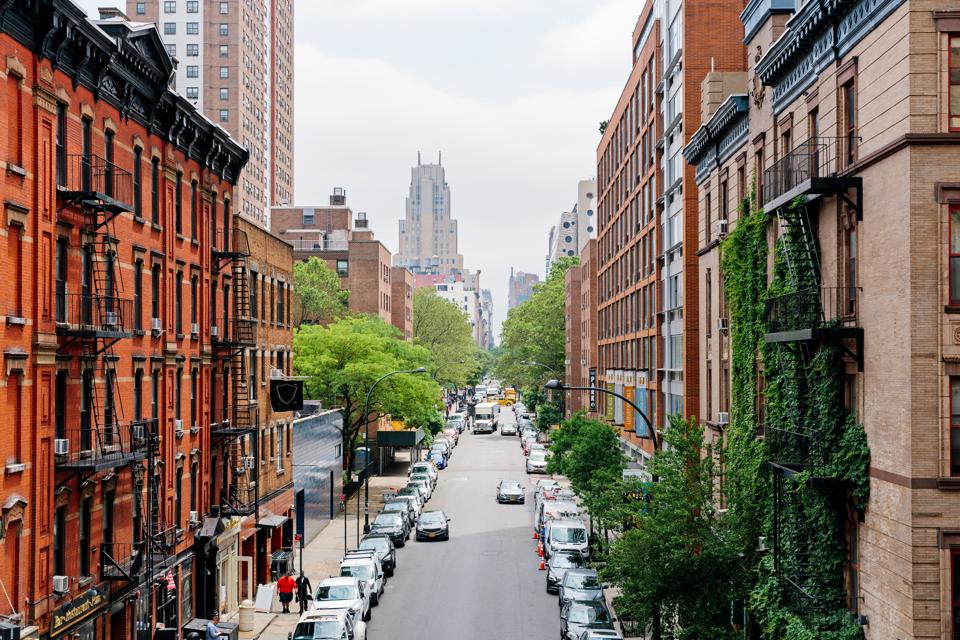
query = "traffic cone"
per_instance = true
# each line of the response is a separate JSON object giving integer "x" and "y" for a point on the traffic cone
{"x": 542, "y": 566}
{"x": 536, "y": 534}
{"x": 540, "y": 550}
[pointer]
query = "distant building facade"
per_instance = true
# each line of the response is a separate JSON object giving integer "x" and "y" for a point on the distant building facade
{"x": 520, "y": 287}
{"x": 428, "y": 233}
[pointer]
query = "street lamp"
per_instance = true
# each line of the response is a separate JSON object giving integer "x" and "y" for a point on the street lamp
{"x": 559, "y": 386}
{"x": 366, "y": 471}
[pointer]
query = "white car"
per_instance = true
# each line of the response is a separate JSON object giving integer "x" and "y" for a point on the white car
{"x": 343, "y": 593}
{"x": 365, "y": 566}
{"x": 537, "y": 462}
{"x": 425, "y": 467}
{"x": 413, "y": 501}
{"x": 335, "y": 624}
{"x": 509, "y": 429}
{"x": 425, "y": 478}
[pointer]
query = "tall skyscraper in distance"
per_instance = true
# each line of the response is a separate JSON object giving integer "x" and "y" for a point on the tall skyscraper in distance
{"x": 428, "y": 235}
{"x": 235, "y": 64}
{"x": 521, "y": 287}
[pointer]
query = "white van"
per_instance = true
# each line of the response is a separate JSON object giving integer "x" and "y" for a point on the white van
{"x": 485, "y": 418}
{"x": 566, "y": 535}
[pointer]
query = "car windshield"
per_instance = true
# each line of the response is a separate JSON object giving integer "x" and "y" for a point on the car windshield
{"x": 568, "y": 534}
{"x": 587, "y": 614}
{"x": 337, "y": 592}
{"x": 511, "y": 486}
{"x": 433, "y": 517}
{"x": 362, "y": 571}
{"x": 568, "y": 561}
{"x": 377, "y": 544}
{"x": 421, "y": 468}
{"x": 398, "y": 507}
{"x": 420, "y": 476}
{"x": 538, "y": 456}
{"x": 388, "y": 520}
{"x": 407, "y": 491}
{"x": 581, "y": 581}
{"x": 318, "y": 630}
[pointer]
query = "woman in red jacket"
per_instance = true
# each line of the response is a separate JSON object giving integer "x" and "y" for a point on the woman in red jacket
{"x": 286, "y": 585}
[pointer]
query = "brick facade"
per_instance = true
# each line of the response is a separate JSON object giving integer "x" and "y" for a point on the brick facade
{"x": 401, "y": 300}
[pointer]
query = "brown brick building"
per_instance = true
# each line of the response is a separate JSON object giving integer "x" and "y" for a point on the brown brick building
{"x": 581, "y": 355}
{"x": 401, "y": 300}
{"x": 573, "y": 348}
{"x": 114, "y": 190}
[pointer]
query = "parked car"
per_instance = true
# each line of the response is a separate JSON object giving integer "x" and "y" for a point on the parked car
{"x": 508, "y": 429}
{"x": 433, "y": 525}
{"x": 414, "y": 491}
{"x": 423, "y": 487}
{"x": 393, "y": 525}
{"x": 457, "y": 421}
{"x": 442, "y": 447}
{"x": 577, "y": 616}
{"x": 601, "y": 634}
{"x": 425, "y": 478}
{"x": 453, "y": 434}
{"x": 580, "y": 584}
{"x": 510, "y": 491}
{"x": 404, "y": 508}
{"x": 427, "y": 468}
{"x": 343, "y": 593}
{"x": 558, "y": 565}
{"x": 331, "y": 623}
{"x": 566, "y": 535}
{"x": 383, "y": 545}
{"x": 413, "y": 502}
{"x": 537, "y": 462}
{"x": 365, "y": 566}
{"x": 437, "y": 458}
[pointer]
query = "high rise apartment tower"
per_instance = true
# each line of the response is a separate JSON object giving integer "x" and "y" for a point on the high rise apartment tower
{"x": 235, "y": 64}
{"x": 428, "y": 235}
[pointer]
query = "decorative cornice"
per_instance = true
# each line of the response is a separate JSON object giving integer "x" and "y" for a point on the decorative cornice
{"x": 757, "y": 11}
{"x": 125, "y": 65}
{"x": 719, "y": 137}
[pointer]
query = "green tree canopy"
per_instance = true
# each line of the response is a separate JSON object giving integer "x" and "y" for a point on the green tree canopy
{"x": 445, "y": 331}
{"x": 342, "y": 360}
{"x": 321, "y": 298}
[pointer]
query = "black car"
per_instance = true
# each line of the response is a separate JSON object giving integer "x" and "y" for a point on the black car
{"x": 558, "y": 565}
{"x": 510, "y": 491}
{"x": 393, "y": 525}
{"x": 384, "y": 547}
{"x": 576, "y": 616}
{"x": 433, "y": 525}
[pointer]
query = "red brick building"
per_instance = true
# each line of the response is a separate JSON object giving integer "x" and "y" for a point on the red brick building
{"x": 114, "y": 192}
{"x": 401, "y": 303}
{"x": 581, "y": 353}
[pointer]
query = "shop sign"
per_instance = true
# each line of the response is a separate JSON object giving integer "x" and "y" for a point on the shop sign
{"x": 82, "y": 608}
{"x": 629, "y": 415}
{"x": 593, "y": 393}
{"x": 611, "y": 407}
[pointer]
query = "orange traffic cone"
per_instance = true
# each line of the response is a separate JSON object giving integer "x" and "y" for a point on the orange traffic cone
{"x": 540, "y": 550}
{"x": 542, "y": 566}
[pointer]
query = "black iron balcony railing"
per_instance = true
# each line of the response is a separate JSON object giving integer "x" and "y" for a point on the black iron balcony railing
{"x": 96, "y": 447}
{"x": 120, "y": 560}
{"x": 804, "y": 166}
{"x": 240, "y": 500}
{"x": 237, "y": 332}
{"x": 813, "y": 308}
{"x": 95, "y": 181}
{"x": 231, "y": 242}
{"x": 236, "y": 420}
{"x": 93, "y": 314}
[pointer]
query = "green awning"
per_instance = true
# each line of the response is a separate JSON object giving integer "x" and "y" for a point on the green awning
{"x": 406, "y": 438}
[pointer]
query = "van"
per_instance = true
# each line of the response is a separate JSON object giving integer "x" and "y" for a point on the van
{"x": 566, "y": 535}
{"x": 485, "y": 418}
{"x": 548, "y": 510}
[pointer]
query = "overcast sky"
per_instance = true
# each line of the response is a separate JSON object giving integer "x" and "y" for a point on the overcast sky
{"x": 511, "y": 91}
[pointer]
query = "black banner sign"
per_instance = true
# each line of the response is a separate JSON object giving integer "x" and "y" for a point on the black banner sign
{"x": 286, "y": 395}
{"x": 82, "y": 608}
{"x": 592, "y": 384}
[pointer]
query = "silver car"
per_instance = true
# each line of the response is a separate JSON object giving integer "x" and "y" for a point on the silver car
{"x": 537, "y": 462}
{"x": 580, "y": 584}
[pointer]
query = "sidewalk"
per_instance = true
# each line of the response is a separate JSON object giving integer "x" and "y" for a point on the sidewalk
{"x": 321, "y": 557}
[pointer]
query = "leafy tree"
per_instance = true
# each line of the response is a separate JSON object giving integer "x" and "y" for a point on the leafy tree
{"x": 445, "y": 331}
{"x": 342, "y": 360}
{"x": 548, "y": 414}
{"x": 675, "y": 572}
{"x": 321, "y": 298}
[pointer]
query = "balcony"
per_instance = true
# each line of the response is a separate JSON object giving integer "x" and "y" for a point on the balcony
{"x": 813, "y": 168}
{"x": 120, "y": 561}
{"x": 239, "y": 500}
{"x": 235, "y": 334}
{"x": 229, "y": 244}
{"x": 85, "y": 315}
{"x": 96, "y": 448}
{"x": 238, "y": 421}
{"x": 94, "y": 182}
{"x": 818, "y": 314}
{"x": 318, "y": 245}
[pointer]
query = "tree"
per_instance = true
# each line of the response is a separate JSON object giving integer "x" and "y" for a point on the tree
{"x": 445, "y": 331}
{"x": 675, "y": 572}
{"x": 342, "y": 360}
{"x": 318, "y": 286}
{"x": 535, "y": 331}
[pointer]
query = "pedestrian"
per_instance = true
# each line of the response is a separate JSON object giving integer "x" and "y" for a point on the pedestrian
{"x": 285, "y": 587}
{"x": 213, "y": 631}
{"x": 304, "y": 591}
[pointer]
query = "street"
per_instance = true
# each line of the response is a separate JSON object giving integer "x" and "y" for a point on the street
{"x": 483, "y": 583}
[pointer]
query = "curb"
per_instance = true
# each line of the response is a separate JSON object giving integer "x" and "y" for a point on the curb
{"x": 265, "y": 627}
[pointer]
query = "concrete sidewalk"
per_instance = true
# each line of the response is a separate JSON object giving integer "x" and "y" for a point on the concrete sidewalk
{"x": 321, "y": 557}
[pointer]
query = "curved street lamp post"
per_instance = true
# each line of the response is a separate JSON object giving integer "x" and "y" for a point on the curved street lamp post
{"x": 559, "y": 386}
{"x": 366, "y": 437}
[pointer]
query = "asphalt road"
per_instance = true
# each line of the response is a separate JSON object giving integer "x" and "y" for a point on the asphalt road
{"x": 483, "y": 583}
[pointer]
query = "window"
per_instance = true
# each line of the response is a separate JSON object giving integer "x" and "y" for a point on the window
{"x": 138, "y": 295}
{"x": 193, "y": 6}
{"x": 849, "y": 93}
{"x": 193, "y": 50}
{"x": 194, "y": 205}
{"x": 141, "y": 8}
{"x": 253, "y": 294}
{"x": 178, "y": 204}
{"x": 193, "y": 71}
{"x": 155, "y": 191}
{"x": 194, "y": 292}
{"x": 61, "y": 144}
{"x": 109, "y": 498}
{"x": 61, "y": 284}
{"x": 177, "y": 393}
{"x": 708, "y": 298}
{"x": 193, "y": 93}
{"x": 169, "y": 28}
{"x": 955, "y": 426}
{"x": 137, "y": 182}
{"x": 224, "y": 8}
{"x": 955, "y": 94}
{"x": 171, "y": 50}
{"x": 178, "y": 500}
{"x": 224, "y": 51}
{"x": 224, "y": 93}
{"x": 170, "y": 6}
{"x": 955, "y": 256}
{"x": 178, "y": 296}
{"x": 155, "y": 292}
{"x": 707, "y": 205}
{"x": 193, "y": 28}
{"x": 85, "y": 140}
{"x": 224, "y": 73}
{"x": 224, "y": 29}
{"x": 342, "y": 267}
{"x": 138, "y": 395}
{"x": 85, "y": 514}
{"x": 59, "y": 542}
{"x": 253, "y": 374}
{"x": 224, "y": 115}
{"x": 193, "y": 398}
{"x": 850, "y": 242}
{"x": 155, "y": 394}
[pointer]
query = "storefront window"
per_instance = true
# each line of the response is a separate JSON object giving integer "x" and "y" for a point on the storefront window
{"x": 186, "y": 592}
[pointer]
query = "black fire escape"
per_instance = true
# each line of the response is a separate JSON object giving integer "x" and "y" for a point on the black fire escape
{"x": 239, "y": 493}
{"x": 809, "y": 316}
{"x": 92, "y": 192}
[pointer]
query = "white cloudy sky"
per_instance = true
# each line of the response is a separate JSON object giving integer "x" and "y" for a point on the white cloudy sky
{"x": 511, "y": 91}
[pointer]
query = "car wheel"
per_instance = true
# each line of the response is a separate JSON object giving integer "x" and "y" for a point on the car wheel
{"x": 366, "y": 616}
{"x": 375, "y": 599}
{"x": 390, "y": 573}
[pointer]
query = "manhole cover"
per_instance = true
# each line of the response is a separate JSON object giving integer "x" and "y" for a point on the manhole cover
{"x": 490, "y": 553}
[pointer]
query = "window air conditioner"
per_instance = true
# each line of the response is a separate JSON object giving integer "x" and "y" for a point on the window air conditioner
{"x": 110, "y": 319}
{"x": 195, "y": 328}
{"x": 723, "y": 417}
{"x": 138, "y": 431}
{"x": 723, "y": 324}
{"x": 178, "y": 425}
{"x": 214, "y": 331}
{"x": 61, "y": 584}
{"x": 722, "y": 228}
{"x": 249, "y": 463}
{"x": 156, "y": 325}
{"x": 194, "y": 517}
{"x": 61, "y": 447}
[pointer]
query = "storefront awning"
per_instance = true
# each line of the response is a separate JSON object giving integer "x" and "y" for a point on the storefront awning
{"x": 272, "y": 522}
{"x": 405, "y": 438}
{"x": 211, "y": 526}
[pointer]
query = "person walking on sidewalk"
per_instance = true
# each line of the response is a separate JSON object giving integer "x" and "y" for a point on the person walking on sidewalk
{"x": 285, "y": 587}
{"x": 303, "y": 592}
